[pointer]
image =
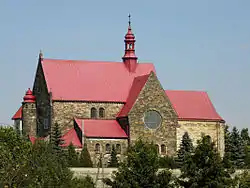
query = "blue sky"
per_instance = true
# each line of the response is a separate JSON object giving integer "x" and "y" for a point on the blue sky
{"x": 194, "y": 45}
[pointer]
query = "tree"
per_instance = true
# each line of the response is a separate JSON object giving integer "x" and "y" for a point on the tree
{"x": 236, "y": 149}
{"x": 72, "y": 156}
{"x": 86, "y": 182}
{"x": 56, "y": 137}
{"x": 25, "y": 165}
{"x": 85, "y": 159}
{"x": 204, "y": 168}
{"x": 244, "y": 180}
{"x": 186, "y": 148}
{"x": 139, "y": 169}
{"x": 113, "y": 160}
{"x": 228, "y": 145}
{"x": 246, "y": 140}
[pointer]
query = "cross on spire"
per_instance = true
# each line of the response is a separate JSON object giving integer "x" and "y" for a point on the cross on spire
{"x": 129, "y": 19}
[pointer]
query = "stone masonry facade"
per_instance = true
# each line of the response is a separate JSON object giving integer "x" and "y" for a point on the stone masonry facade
{"x": 153, "y": 97}
{"x": 196, "y": 129}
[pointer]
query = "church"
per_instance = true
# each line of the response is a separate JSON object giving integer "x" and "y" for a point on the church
{"x": 105, "y": 104}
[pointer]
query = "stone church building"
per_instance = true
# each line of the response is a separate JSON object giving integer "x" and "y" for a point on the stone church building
{"x": 114, "y": 103}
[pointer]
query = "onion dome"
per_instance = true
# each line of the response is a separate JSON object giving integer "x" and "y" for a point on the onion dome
{"x": 29, "y": 97}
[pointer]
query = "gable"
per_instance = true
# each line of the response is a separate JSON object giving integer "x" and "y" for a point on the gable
{"x": 90, "y": 80}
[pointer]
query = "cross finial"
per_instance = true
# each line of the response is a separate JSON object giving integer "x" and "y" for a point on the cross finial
{"x": 129, "y": 19}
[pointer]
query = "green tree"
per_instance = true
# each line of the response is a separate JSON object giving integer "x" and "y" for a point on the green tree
{"x": 186, "y": 148}
{"x": 56, "y": 137}
{"x": 113, "y": 161}
{"x": 237, "y": 149}
{"x": 139, "y": 169}
{"x": 246, "y": 140}
{"x": 72, "y": 156}
{"x": 228, "y": 148}
{"x": 85, "y": 159}
{"x": 86, "y": 182}
{"x": 204, "y": 168}
{"x": 25, "y": 165}
{"x": 244, "y": 180}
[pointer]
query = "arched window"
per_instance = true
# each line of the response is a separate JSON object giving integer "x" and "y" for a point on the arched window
{"x": 118, "y": 148}
{"x": 101, "y": 112}
{"x": 163, "y": 149}
{"x": 93, "y": 113}
{"x": 97, "y": 148}
{"x": 157, "y": 148}
{"x": 108, "y": 148}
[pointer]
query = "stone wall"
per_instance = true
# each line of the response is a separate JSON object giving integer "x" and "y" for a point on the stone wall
{"x": 40, "y": 90}
{"x": 91, "y": 143}
{"x": 99, "y": 174}
{"x": 153, "y": 97}
{"x": 29, "y": 119}
{"x": 196, "y": 129}
{"x": 64, "y": 112}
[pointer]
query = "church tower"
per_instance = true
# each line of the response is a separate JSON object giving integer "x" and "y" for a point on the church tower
{"x": 29, "y": 114}
{"x": 129, "y": 58}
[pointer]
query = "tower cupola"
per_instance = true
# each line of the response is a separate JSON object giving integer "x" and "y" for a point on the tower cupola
{"x": 29, "y": 97}
{"x": 129, "y": 58}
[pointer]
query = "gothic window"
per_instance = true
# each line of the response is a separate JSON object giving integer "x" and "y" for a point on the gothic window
{"x": 45, "y": 124}
{"x": 108, "y": 148}
{"x": 157, "y": 148}
{"x": 118, "y": 148}
{"x": 101, "y": 112}
{"x": 93, "y": 113}
{"x": 163, "y": 149}
{"x": 97, "y": 148}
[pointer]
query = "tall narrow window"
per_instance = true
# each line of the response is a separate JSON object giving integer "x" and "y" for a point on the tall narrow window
{"x": 93, "y": 113}
{"x": 108, "y": 148}
{"x": 157, "y": 148}
{"x": 101, "y": 112}
{"x": 118, "y": 148}
{"x": 97, "y": 148}
{"x": 163, "y": 149}
{"x": 45, "y": 123}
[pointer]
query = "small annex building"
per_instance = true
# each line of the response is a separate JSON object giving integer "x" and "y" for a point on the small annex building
{"x": 114, "y": 103}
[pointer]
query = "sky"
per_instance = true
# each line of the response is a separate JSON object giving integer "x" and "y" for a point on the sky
{"x": 194, "y": 45}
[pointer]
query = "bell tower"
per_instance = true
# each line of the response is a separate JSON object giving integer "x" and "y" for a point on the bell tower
{"x": 129, "y": 58}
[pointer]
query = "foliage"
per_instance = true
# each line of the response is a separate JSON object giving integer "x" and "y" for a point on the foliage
{"x": 86, "y": 182}
{"x": 113, "y": 160}
{"x": 25, "y": 165}
{"x": 56, "y": 138}
{"x": 244, "y": 180}
{"x": 140, "y": 168}
{"x": 236, "y": 149}
{"x": 204, "y": 168}
{"x": 14, "y": 158}
{"x": 85, "y": 160}
{"x": 186, "y": 148}
{"x": 227, "y": 155}
{"x": 167, "y": 162}
{"x": 246, "y": 140}
{"x": 72, "y": 156}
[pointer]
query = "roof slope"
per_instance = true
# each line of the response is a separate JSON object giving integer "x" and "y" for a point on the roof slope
{"x": 91, "y": 80}
{"x": 135, "y": 90}
{"x": 97, "y": 128}
{"x": 71, "y": 137}
{"x": 18, "y": 114}
{"x": 193, "y": 105}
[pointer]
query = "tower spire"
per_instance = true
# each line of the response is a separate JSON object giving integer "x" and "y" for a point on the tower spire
{"x": 129, "y": 58}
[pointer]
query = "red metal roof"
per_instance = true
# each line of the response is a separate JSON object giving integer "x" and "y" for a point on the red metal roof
{"x": 71, "y": 137}
{"x": 91, "y": 80}
{"x": 135, "y": 90}
{"x": 101, "y": 128}
{"x": 18, "y": 114}
{"x": 193, "y": 105}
